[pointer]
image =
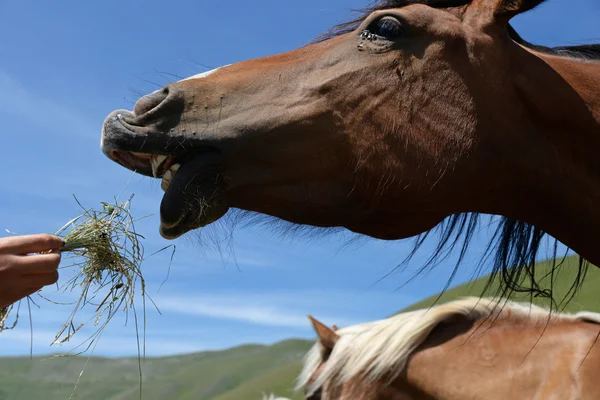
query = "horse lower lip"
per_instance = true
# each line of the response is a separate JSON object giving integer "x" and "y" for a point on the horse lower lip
{"x": 170, "y": 231}
{"x": 193, "y": 197}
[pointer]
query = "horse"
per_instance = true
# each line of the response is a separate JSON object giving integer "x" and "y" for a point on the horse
{"x": 416, "y": 116}
{"x": 470, "y": 348}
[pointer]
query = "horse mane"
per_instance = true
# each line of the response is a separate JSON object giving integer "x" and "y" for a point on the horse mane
{"x": 586, "y": 51}
{"x": 379, "y": 349}
{"x": 589, "y": 52}
{"x": 516, "y": 244}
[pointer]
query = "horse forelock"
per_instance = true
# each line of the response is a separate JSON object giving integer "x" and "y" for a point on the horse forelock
{"x": 382, "y": 348}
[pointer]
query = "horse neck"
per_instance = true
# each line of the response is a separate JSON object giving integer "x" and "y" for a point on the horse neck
{"x": 559, "y": 189}
{"x": 504, "y": 359}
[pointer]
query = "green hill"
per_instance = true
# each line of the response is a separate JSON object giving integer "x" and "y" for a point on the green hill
{"x": 240, "y": 373}
{"x": 588, "y": 298}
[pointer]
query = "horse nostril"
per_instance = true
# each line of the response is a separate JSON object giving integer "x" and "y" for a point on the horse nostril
{"x": 150, "y": 101}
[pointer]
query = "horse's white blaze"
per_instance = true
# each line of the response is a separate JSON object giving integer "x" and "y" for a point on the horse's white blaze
{"x": 204, "y": 74}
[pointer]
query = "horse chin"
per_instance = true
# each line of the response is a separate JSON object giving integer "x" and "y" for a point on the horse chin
{"x": 193, "y": 198}
{"x": 189, "y": 222}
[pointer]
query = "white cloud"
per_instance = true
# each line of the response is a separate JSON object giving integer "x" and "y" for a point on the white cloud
{"x": 260, "y": 315}
{"x": 283, "y": 309}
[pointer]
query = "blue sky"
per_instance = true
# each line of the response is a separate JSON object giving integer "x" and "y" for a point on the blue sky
{"x": 66, "y": 65}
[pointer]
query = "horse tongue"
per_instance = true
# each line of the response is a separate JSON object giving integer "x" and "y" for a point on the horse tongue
{"x": 193, "y": 198}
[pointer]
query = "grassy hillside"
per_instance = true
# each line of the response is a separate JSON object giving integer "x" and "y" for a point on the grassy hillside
{"x": 588, "y": 298}
{"x": 240, "y": 373}
{"x": 246, "y": 370}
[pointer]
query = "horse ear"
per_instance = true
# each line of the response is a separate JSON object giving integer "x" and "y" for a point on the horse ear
{"x": 327, "y": 336}
{"x": 335, "y": 328}
{"x": 501, "y": 10}
{"x": 510, "y": 8}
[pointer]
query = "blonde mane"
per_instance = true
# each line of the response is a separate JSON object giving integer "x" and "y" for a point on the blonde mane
{"x": 382, "y": 348}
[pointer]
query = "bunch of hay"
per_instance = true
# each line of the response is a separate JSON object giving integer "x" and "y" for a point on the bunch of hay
{"x": 4, "y": 313}
{"x": 107, "y": 256}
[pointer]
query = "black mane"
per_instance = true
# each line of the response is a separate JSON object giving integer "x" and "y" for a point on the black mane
{"x": 515, "y": 244}
{"x": 582, "y": 52}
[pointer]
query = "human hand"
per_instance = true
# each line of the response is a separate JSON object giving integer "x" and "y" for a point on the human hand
{"x": 22, "y": 274}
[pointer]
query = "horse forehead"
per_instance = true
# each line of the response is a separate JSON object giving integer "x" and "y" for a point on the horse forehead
{"x": 204, "y": 74}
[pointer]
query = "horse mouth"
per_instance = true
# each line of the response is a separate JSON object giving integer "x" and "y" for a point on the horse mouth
{"x": 191, "y": 180}
{"x": 158, "y": 166}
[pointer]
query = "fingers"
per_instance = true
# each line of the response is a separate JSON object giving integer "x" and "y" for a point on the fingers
{"x": 29, "y": 244}
{"x": 38, "y": 264}
{"x": 21, "y": 274}
{"x": 38, "y": 281}
{"x": 24, "y": 286}
{"x": 11, "y": 298}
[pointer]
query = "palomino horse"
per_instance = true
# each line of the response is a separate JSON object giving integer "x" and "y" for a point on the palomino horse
{"x": 466, "y": 349}
{"x": 415, "y": 112}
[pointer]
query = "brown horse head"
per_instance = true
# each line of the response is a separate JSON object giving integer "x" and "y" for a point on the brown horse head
{"x": 416, "y": 111}
{"x": 472, "y": 348}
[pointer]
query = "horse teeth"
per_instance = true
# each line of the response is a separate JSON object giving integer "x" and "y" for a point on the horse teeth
{"x": 166, "y": 180}
{"x": 156, "y": 161}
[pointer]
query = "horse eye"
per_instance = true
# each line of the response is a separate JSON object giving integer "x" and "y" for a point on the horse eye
{"x": 388, "y": 27}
